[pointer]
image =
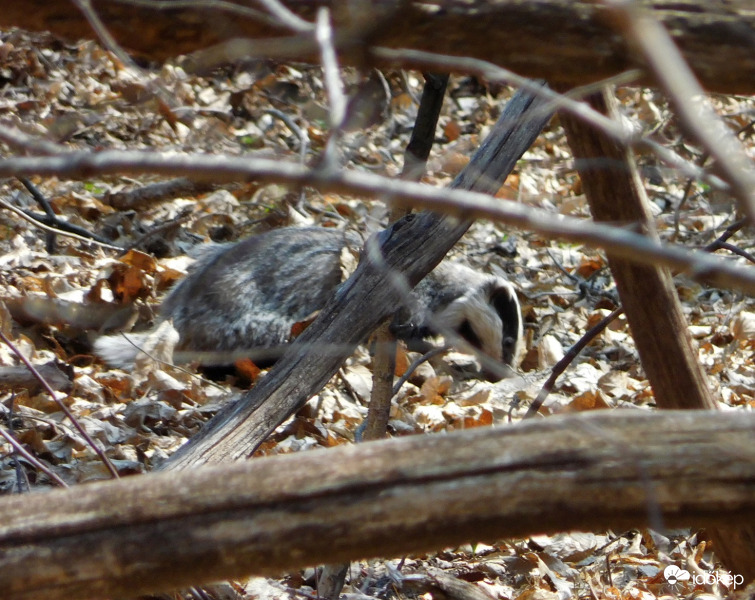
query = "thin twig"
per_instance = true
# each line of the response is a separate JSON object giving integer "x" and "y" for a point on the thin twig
{"x": 51, "y": 219}
{"x": 573, "y": 352}
{"x": 66, "y": 411}
{"x": 49, "y": 229}
{"x": 430, "y": 354}
{"x": 39, "y": 197}
{"x": 285, "y": 16}
{"x": 165, "y": 363}
{"x": 21, "y": 478}
{"x": 728, "y": 232}
{"x": 329, "y": 60}
{"x": 30, "y": 457}
{"x": 688, "y": 98}
{"x": 736, "y": 250}
{"x": 215, "y": 5}
{"x": 172, "y": 224}
{"x": 333, "y": 87}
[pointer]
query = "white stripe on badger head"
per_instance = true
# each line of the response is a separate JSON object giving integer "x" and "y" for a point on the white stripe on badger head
{"x": 486, "y": 325}
{"x": 503, "y": 299}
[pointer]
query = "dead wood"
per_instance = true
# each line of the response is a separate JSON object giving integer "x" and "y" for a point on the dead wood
{"x": 568, "y": 43}
{"x": 615, "y": 194}
{"x": 617, "y": 469}
{"x": 409, "y": 249}
{"x": 18, "y": 378}
{"x": 142, "y": 197}
{"x": 669, "y": 358}
{"x": 415, "y": 162}
{"x": 441, "y": 585}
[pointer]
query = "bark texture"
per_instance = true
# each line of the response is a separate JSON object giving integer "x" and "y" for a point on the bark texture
{"x": 619, "y": 469}
{"x": 615, "y": 194}
{"x": 668, "y": 354}
{"x": 567, "y": 42}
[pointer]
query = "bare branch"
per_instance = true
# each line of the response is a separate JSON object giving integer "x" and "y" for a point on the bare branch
{"x": 568, "y": 102}
{"x": 688, "y": 98}
{"x": 220, "y": 169}
{"x": 66, "y": 411}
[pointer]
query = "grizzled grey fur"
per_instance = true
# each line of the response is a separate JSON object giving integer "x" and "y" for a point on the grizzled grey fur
{"x": 248, "y": 295}
{"x": 251, "y": 293}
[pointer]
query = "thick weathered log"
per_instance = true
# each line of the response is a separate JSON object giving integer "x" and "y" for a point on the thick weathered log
{"x": 406, "y": 251}
{"x": 617, "y": 469}
{"x": 566, "y": 42}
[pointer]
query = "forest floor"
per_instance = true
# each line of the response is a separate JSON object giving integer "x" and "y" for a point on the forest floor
{"x": 59, "y": 294}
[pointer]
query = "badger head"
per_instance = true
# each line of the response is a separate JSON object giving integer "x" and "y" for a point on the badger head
{"x": 489, "y": 318}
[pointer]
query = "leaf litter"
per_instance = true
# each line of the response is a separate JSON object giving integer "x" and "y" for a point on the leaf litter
{"x": 54, "y": 304}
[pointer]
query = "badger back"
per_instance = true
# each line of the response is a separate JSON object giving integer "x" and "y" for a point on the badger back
{"x": 250, "y": 294}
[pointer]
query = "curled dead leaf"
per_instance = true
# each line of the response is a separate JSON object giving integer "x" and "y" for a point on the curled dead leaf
{"x": 743, "y": 326}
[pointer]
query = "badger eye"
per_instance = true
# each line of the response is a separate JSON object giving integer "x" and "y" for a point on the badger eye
{"x": 465, "y": 330}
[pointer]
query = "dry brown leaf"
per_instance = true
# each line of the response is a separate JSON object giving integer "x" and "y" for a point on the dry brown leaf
{"x": 743, "y": 326}
{"x": 476, "y": 399}
{"x": 6, "y": 320}
{"x": 483, "y": 419}
{"x": 451, "y": 130}
{"x": 167, "y": 277}
{"x": 402, "y": 360}
{"x": 434, "y": 388}
{"x": 549, "y": 352}
{"x": 120, "y": 387}
{"x": 588, "y": 401}
{"x": 298, "y": 328}
{"x": 140, "y": 260}
{"x": 247, "y": 369}
{"x": 589, "y": 266}
{"x": 128, "y": 283}
{"x": 453, "y": 162}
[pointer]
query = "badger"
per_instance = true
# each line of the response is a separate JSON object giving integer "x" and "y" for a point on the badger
{"x": 248, "y": 295}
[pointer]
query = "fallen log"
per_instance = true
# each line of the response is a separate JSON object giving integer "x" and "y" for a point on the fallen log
{"x": 614, "y": 469}
{"x": 567, "y": 43}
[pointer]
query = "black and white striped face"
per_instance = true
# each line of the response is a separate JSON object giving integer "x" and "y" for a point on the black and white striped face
{"x": 489, "y": 318}
{"x": 506, "y": 305}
